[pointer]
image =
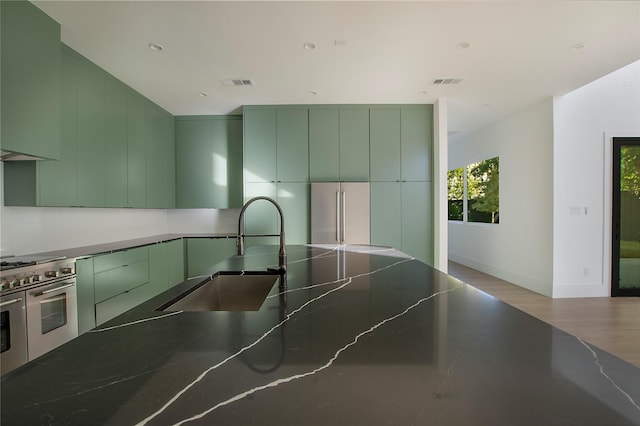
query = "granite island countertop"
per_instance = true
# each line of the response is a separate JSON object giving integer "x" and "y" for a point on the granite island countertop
{"x": 359, "y": 336}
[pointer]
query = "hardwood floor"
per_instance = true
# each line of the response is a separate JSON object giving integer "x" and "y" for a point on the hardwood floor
{"x": 612, "y": 324}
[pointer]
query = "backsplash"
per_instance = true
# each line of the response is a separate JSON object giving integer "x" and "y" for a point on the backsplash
{"x": 28, "y": 230}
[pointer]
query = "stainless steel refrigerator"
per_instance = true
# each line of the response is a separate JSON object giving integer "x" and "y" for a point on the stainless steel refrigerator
{"x": 340, "y": 213}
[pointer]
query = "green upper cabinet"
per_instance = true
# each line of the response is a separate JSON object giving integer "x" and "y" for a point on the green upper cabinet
{"x": 292, "y": 145}
{"x": 90, "y": 135}
{"x": 209, "y": 162}
{"x": 30, "y": 81}
{"x": 115, "y": 138}
{"x": 136, "y": 151}
{"x": 57, "y": 179}
{"x": 276, "y": 144}
{"x": 259, "y": 145}
{"x": 354, "y": 145}
{"x": 385, "y": 144}
{"x": 416, "y": 129}
{"x": 160, "y": 155}
{"x": 324, "y": 144}
{"x": 402, "y": 143}
{"x": 338, "y": 144}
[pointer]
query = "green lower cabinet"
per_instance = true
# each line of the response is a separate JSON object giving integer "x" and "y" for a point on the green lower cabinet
{"x": 85, "y": 295}
{"x": 123, "y": 302}
{"x": 111, "y": 284}
{"x": 417, "y": 220}
{"x": 386, "y": 217}
{"x": 203, "y": 253}
{"x": 176, "y": 261}
{"x": 402, "y": 217}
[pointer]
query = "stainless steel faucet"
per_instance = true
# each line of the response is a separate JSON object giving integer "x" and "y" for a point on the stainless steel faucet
{"x": 282, "y": 256}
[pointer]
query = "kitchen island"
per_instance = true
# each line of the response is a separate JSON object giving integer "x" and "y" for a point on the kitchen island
{"x": 357, "y": 335}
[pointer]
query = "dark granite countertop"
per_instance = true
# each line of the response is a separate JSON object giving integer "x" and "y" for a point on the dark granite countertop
{"x": 360, "y": 336}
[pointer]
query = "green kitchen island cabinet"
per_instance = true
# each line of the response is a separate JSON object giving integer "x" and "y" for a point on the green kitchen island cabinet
{"x": 209, "y": 162}
{"x": 30, "y": 80}
{"x": 338, "y": 144}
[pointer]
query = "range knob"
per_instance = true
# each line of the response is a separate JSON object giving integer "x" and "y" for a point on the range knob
{"x": 14, "y": 283}
{"x": 36, "y": 278}
{"x": 24, "y": 280}
{"x": 66, "y": 270}
{"x": 51, "y": 274}
{"x": 4, "y": 285}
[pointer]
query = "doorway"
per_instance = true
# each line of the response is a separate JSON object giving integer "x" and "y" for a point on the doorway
{"x": 625, "y": 259}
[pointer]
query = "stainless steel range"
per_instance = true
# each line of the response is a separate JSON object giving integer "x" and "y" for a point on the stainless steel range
{"x": 38, "y": 307}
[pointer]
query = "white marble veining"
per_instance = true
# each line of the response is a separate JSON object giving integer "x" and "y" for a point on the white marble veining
{"x": 275, "y": 327}
{"x": 98, "y": 330}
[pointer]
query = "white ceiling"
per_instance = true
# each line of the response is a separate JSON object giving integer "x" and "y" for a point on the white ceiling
{"x": 519, "y": 52}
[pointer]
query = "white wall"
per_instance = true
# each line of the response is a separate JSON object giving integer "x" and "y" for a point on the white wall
{"x": 585, "y": 120}
{"x": 519, "y": 249}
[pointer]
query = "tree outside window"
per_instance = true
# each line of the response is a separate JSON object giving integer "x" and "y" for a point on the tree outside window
{"x": 483, "y": 191}
{"x": 478, "y": 185}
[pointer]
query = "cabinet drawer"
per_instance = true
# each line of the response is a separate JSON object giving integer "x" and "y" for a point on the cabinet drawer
{"x": 120, "y": 258}
{"x": 115, "y": 306}
{"x": 115, "y": 281}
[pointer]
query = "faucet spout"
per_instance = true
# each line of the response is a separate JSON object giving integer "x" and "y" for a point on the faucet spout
{"x": 282, "y": 255}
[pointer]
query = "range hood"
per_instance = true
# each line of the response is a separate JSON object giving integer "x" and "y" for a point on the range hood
{"x": 17, "y": 156}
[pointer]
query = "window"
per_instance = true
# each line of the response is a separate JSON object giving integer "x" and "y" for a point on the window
{"x": 455, "y": 193}
{"x": 476, "y": 186}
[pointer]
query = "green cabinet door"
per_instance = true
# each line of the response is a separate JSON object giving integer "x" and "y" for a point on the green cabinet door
{"x": 85, "y": 295}
{"x": 294, "y": 199}
{"x": 259, "y": 145}
{"x": 386, "y": 215}
{"x": 324, "y": 145}
{"x": 160, "y": 155}
{"x": 385, "y": 144}
{"x": 354, "y": 145}
{"x": 201, "y": 256}
{"x": 292, "y": 130}
{"x": 417, "y": 143}
{"x": 209, "y": 162}
{"x": 261, "y": 217}
{"x": 158, "y": 267}
{"x": 176, "y": 261}
{"x": 30, "y": 80}
{"x": 90, "y": 135}
{"x": 136, "y": 151}
{"x": 417, "y": 220}
{"x": 57, "y": 179}
{"x": 115, "y": 138}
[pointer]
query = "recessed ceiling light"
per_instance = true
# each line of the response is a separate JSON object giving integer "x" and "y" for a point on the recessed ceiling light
{"x": 309, "y": 45}
{"x": 463, "y": 45}
{"x": 578, "y": 46}
{"x": 313, "y": 93}
{"x": 203, "y": 94}
{"x": 156, "y": 47}
{"x": 340, "y": 42}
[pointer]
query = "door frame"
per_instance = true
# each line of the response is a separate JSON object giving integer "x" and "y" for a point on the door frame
{"x": 617, "y": 143}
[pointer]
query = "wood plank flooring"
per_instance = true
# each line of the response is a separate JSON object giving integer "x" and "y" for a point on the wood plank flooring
{"x": 612, "y": 324}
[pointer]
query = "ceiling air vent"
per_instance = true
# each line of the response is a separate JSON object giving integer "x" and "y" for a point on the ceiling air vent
{"x": 238, "y": 82}
{"x": 442, "y": 81}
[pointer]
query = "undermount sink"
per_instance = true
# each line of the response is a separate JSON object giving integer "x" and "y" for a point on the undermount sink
{"x": 226, "y": 291}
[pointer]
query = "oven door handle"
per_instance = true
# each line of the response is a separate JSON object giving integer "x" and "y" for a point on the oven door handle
{"x": 10, "y": 302}
{"x": 51, "y": 290}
